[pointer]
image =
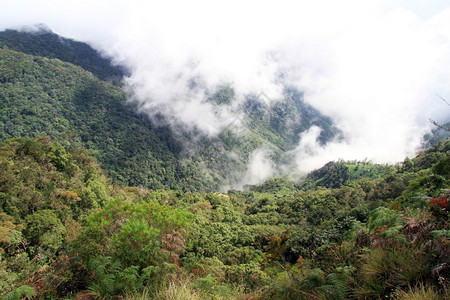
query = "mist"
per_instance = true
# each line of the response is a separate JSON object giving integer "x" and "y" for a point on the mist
{"x": 374, "y": 67}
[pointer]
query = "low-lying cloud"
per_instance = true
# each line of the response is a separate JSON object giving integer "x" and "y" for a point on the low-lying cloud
{"x": 260, "y": 167}
{"x": 374, "y": 67}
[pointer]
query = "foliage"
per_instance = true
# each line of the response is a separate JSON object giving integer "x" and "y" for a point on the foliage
{"x": 351, "y": 230}
{"x": 22, "y": 292}
{"x": 45, "y": 191}
{"x": 43, "y": 42}
{"x": 419, "y": 292}
{"x": 47, "y": 97}
{"x": 332, "y": 175}
{"x": 134, "y": 233}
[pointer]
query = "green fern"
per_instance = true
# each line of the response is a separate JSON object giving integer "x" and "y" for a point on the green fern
{"x": 105, "y": 271}
{"x": 313, "y": 280}
{"x": 103, "y": 265}
{"x": 22, "y": 292}
{"x": 385, "y": 226}
{"x": 335, "y": 287}
{"x": 206, "y": 283}
{"x": 383, "y": 216}
{"x": 318, "y": 286}
{"x": 439, "y": 234}
{"x": 129, "y": 279}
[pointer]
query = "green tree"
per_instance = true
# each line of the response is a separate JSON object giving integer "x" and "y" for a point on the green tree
{"x": 45, "y": 232}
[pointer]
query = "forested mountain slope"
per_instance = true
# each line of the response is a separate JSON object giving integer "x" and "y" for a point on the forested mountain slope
{"x": 47, "y": 97}
{"x": 50, "y": 94}
{"x": 43, "y": 42}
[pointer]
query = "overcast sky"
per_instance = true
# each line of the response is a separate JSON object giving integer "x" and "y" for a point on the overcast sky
{"x": 375, "y": 67}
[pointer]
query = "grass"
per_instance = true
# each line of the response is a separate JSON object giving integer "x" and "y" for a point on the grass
{"x": 184, "y": 289}
{"x": 420, "y": 292}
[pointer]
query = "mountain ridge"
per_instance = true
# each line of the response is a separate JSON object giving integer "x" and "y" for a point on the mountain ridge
{"x": 41, "y": 41}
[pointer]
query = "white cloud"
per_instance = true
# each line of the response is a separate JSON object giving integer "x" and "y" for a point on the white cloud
{"x": 373, "y": 66}
{"x": 260, "y": 167}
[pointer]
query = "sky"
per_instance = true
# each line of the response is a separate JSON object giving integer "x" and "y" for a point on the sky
{"x": 374, "y": 67}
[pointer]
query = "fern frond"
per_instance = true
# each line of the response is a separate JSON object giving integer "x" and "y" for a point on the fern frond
{"x": 336, "y": 286}
{"x": 22, "y": 292}
{"x": 313, "y": 280}
{"x": 105, "y": 271}
{"x": 383, "y": 216}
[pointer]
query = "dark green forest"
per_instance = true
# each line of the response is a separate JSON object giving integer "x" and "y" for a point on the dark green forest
{"x": 97, "y": 201}
{"x": 43, "y": 42}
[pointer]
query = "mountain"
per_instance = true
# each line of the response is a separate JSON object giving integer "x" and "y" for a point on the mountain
{"x": 48, "y": 97}
{"x": 41, "y": 41}
{"x": 56, "y": 87}
{"x": 269, "y": 128}
{"x": 351, "y": 230}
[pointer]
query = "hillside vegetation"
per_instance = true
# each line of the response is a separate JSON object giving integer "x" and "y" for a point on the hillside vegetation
{"x": 99, "y": 202}
{"x": 43, "y": 42}
{"x": 66, "y": 230}
{"x": 47, "y": 97}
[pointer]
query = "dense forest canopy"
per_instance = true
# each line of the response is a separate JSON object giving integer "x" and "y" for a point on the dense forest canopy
{"x": 377, "y": 230}
{"x": 43, "y": 42}
{"x": 97, "y": 201}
